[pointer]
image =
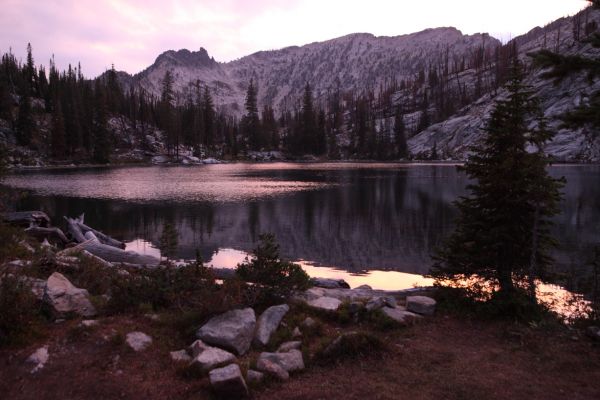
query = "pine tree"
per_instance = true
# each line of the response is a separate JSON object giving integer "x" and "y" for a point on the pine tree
{"x": 169, "y": 240}
{"x": 101, "y": 137}
{"x": 30, "y": 73}
{"x": 250, "y": 121}
{"x": 208, "y": 113}
{"x": 25, "y": 122}
{"x": 57, "y": 134}
{"x": 166, "y": 115}
{"x": 308, "y": 130}
{"x": 502, "y": 234}
{"x": 400, "y": 134}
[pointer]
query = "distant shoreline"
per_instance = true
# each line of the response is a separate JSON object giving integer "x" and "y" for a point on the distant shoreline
{"x": 144, "y": 164}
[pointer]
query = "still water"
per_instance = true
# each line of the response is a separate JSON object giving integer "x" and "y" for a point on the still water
{"x": 366, "y": 223}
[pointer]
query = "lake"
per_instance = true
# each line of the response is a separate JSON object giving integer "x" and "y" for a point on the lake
{"x": 374, "y": 223}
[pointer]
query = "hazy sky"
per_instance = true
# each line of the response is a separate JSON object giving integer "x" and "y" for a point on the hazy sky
{"x": 131, "y": 34}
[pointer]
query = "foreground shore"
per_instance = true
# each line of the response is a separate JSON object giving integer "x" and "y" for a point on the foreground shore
{"x": 446, "y": 357}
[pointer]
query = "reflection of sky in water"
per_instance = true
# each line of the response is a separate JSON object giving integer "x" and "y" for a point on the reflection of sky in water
{"x": 230, "y": 258}
{"x": 201, "y": 183}
{"x": 559, "y": 299}
{"x": 354, "y": 217}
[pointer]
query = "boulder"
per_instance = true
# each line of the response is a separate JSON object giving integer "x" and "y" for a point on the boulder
{"x": 254, "y": 377}
{"x": 272, "y": 369}
{"x": 89, "y": 323}
{"x": 325, "y": 303}
{"x": 138, "y": 341}
{"x": 211, "y": 358}
{"x": 363, "y": 287}
{"x": 290, "y": 360}
{"x": 227, "y": 382}
{"x": 38, "y": 359}
{"x": 420, "y": 305}
{"x": 268, "y": 323}
{"x": 375, "y": 304}
{"x": 330, "y": 283}
{"x": 308, "y": 322}
{"x": 287, "y": 346}
{"x": 233, "y": 330}
{"x": 65, "y": 298}
{"x": 401, "y": 316}
{"x": 390, "y": 301}
{"x": 180, "y": 356}
{"x": 197, "y": 347}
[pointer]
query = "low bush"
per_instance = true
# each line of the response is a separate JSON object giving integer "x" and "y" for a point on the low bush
{"x": 277, "y": 277}
{"x": 517, "y": 305}
{"x": 11, "y": 248}
{"x": 350, "y": 346}
{"x": 20, "y": 311}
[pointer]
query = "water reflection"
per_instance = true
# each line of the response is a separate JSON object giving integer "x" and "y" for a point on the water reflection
{"x": 350, "y": 217}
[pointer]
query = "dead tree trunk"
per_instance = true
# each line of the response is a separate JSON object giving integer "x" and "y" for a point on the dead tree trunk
{"x": 90, "y": 242}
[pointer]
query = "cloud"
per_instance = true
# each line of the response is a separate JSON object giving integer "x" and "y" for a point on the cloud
{"x": 131, "y": 34}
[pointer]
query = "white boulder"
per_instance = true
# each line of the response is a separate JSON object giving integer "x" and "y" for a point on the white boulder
{"x": 66, "y": 298}
{"x": 233, "y": 330}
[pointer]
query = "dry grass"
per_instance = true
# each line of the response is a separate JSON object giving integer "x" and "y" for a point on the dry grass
{"x": 443, "y": 358}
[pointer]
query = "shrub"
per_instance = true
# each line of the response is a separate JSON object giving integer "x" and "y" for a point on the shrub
{"x": 350, "y": 346}
{"x": 19, "y": 310}
{"x": 10, "y": 237}
{"x": 279, "y": 278}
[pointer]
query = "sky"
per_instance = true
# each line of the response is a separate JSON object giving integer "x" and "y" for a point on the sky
{"x": 131, "y": 34}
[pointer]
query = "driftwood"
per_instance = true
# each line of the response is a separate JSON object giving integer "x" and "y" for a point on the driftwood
{"x": 90, "y": 242}
{"x": 53, "y": 234}
{"x": 105, "y": 239}
{"x": 27, "y": 218}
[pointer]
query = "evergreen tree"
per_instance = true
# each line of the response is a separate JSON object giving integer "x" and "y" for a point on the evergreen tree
{"x": 166, "y": 115}
{"x": 169, "y": 240}
{"x": 434, "y": 153}
{"x": 269, "y": 128}
{"x": 250, "y": 121}
{"x": 57, "y": 134}
{"x": 308, "y": 131}
{"x": 208, "y": 113}
{"x": 400, "y": 134}
{"x": 502, "y": 233}
{"x": 101, "y": 137}
{"x": 25, "y": 122}
{"x": 30, "y": 73}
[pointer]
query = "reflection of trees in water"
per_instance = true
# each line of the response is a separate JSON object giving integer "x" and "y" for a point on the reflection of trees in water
{"x": 379, "y": 219}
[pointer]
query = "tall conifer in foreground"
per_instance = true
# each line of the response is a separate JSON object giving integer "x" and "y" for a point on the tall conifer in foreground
{"x": 502, "y": 234}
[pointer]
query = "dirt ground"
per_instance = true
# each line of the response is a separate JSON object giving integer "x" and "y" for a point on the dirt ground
{"x": 442, "y": 358}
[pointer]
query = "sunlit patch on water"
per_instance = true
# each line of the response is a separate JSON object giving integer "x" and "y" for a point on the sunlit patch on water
{"x": 178, "y": 184}
{"x": 567, "y": 304}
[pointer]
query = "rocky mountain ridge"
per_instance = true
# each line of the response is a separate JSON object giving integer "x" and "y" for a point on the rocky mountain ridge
{"x": 361, "y": 62}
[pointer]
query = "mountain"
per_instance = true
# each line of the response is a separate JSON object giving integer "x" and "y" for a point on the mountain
{"x": 453, "y": 136}
{"x": 356, "y": 62}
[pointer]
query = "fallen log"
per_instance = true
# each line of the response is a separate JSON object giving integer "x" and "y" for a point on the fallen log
{"x": 27, "y": 218}
{"x": 90, "y": 242}
{"x": 53, "y": 234}
{"x": 105, "y": 239}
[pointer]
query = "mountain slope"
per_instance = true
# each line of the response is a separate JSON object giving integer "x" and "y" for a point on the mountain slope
{"x": 453, "y": 136}
{"x": 355, "y": 62}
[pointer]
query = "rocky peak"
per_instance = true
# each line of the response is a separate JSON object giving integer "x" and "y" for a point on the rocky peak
{"x": 186, "y": 58}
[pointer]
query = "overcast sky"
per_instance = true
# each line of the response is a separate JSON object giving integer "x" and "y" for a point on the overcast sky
{"x": 131, "y": 34}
